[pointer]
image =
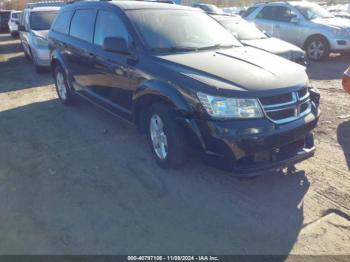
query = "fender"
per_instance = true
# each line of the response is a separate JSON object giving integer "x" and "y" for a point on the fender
{"x": 56, "y": 57}
{"x": 159, "y": 90}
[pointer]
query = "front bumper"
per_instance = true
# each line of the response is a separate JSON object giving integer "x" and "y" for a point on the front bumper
{"x": 41, "y": 56}
{"x": 251, "y": 147}
{"x": 340, "y": 43}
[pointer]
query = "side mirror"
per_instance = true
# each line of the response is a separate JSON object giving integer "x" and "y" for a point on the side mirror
{"x": 21, "y": 28}
{"x": 295, "y": 20}
{"x": 116, "y": 45}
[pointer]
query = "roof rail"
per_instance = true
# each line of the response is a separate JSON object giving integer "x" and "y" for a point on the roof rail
{"x": 44, "y": 3}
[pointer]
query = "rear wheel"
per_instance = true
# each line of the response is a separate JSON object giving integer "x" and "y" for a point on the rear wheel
{"x": 166, "y": 137}
{"x": 317, "y": 48}
{"x": 64, "y": 93}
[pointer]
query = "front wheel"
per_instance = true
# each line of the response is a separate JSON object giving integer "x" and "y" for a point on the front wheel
{"x": 317, "y": 48}
{"x": 166, "y": 137}
{"x": 64, "y": 93}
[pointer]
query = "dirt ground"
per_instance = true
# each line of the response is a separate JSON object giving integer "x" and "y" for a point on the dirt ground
{"x": 76, "y": 180}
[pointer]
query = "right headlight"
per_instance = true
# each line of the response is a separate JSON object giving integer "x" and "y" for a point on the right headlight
{"x": 225, "y": 107}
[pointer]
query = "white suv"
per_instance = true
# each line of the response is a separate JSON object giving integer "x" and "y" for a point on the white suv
{"x": 13, "y": 23}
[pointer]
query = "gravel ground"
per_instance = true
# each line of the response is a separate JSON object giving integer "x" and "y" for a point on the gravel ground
{"x": 75, "y": 180}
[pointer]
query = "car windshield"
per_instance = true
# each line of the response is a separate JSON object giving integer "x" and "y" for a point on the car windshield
{"x": 15, "y": 15}
{"x": 243, "y": 29}
{"x": 42, "y": 20}
{"x": 180, "y": 30}
{"x": 313, "y": 11}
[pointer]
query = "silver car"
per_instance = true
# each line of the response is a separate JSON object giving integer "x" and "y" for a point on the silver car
{"x": 249, "y": 35}
{"x": 304, "y": 24}
{"x": 33, "y": 30}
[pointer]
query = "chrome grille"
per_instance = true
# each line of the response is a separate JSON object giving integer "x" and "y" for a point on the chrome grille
{"x": 287, "y": 107}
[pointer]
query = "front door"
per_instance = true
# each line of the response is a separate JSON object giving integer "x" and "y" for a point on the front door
{"x": 112, "y": 71}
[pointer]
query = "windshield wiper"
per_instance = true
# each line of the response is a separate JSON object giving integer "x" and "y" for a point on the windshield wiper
{"x": 174, "y": 49}
{"x": 216, "y": 46}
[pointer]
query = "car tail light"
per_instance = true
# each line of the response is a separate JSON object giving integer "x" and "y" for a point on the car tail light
{"x": 346, "y": 80}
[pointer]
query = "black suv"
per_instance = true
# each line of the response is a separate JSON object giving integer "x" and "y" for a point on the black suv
{"x": 184, "y": 80}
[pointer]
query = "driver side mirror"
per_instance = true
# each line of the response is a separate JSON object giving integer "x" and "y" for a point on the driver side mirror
{"x": 116, "y": 45}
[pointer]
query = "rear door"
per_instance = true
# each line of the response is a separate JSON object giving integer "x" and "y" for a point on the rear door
{"x": 80, "y": 58}
{"x": 284, "y": 27}
{"x": 265, "y": 20}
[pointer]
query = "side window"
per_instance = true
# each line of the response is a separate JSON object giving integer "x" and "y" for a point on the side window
{"x": 82, "y": 25}
{"x": 268, "y": 13}
{"x": 109, "y": 24}
{"x": 284, "y": 14}
{"x": 62, "y": 22}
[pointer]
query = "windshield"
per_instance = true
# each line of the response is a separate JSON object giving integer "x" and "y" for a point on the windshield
{"x": 42, "y": 20}
{"x": 313, "y": 11}
{"x": 180, "y": 29}
{"x": 243, "y": 29}
{"x": 15, "y": 15}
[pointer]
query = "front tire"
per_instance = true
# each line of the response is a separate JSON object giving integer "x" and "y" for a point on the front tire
{"x": 166, "y": 137}
{"x": 317, "y": 48}
{"x": 64, "y": 93}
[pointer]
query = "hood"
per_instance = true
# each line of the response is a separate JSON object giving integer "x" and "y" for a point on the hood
{"x": 334, "y": 22}
{"x": 41, "y": 33}
{"x": 273, "y": 45}
{"x": 239, "y": 69}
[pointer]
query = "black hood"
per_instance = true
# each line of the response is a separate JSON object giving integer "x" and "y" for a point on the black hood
{"x": 239, "y": 69}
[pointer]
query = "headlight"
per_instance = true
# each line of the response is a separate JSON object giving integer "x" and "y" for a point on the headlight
{"x": 40, "y": 41}
{"x": 223, "y": 107}
{"x": 340, "y": 32}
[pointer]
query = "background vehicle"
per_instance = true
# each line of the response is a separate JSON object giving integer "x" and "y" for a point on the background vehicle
{"x": 14, "y": 22}
{"x": 4, "y": 18}
{"x": 249, "y": 35}
{"x": 346, "y": 80}
{"x": 33, "y": 30}
{"x": 245, "y": 109}
{"x": 209, "y": 9}
{"x": 304, "y": 24}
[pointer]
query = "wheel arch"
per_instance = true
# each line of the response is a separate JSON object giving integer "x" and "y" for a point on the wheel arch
{"x": 316, "y": 35}
{"x": 154, "y": 91}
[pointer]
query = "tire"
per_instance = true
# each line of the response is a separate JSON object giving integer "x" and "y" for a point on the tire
{"x": 27, "y": 56}
{"x": 14, "y": 35}
{"x": 176, "y": 149}
{"x": 317, "y": 48}
{"x": 63, "y": 90}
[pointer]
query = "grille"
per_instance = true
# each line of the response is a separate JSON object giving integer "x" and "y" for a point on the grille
{"x": 287, "y": 107}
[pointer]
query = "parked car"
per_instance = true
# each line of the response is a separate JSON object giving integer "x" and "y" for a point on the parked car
{"x": 33, "y": 30}
{"x": 13, "y": 23}
{"x": 304, "y": 24}
{"x": 209, "y": 9}
{"x": 195, "y": 85}
{"x": 250, "y": 35}
{"x": 4, "y": 18}
{"x": 346, "y": 80}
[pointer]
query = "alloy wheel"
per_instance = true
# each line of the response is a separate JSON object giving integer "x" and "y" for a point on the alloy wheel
{"x": 158, "y": 137}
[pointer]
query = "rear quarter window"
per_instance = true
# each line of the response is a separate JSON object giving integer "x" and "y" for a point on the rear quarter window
{"x": 82, "y": 25}
{"x": 62, "y": 22}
